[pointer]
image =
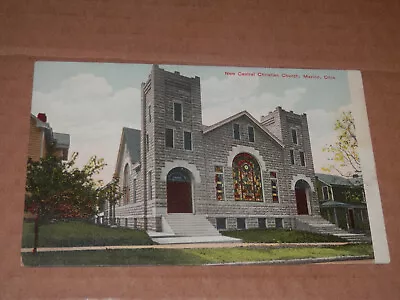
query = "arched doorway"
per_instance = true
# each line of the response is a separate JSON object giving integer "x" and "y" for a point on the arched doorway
{"x": 179, "y": 191}
{"x": 302, "y": 192}
{"x": 247, "y": 179}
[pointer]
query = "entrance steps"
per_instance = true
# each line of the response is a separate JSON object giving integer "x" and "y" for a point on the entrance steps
{"x": 317, "y": 224}
{"x": 186, "y": 228}
{"x": 190, "y": 225}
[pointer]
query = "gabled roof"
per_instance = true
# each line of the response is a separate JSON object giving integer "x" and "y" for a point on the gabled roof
{"x": 237, "y": 116}
{"x": 342, "y": 204}
{"x": 62, "y": 140}
{"x": 330, "y": 179}
{"x": 130, "y": 138}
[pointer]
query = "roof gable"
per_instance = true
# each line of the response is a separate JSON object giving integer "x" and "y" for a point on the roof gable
{"x": 330, "y": 179}
{"x": 130, "y": 138}
{"x": 237, "y": 116}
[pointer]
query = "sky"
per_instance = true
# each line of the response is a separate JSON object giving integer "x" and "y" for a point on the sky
{"x": 93, "y": 101}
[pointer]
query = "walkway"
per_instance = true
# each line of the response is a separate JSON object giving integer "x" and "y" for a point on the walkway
{"x": 185, "y": 246}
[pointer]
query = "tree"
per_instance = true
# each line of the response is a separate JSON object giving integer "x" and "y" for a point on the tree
{"x": 57, "y": 189}
{"x": 345, "y": 158}
{"x": 111, "y": 194}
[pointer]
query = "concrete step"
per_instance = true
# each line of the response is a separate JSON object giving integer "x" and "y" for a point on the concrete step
{"x": 318, "y": 224}
{"x": 190, "y": 225}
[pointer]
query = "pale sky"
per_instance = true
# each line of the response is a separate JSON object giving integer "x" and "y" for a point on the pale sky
{"x": 93, "y": 101}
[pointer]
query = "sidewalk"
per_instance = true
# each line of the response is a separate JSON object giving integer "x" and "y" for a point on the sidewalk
{"x": 186, "y": 246}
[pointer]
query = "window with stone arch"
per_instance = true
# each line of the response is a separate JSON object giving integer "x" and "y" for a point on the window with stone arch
{"x": 126, "y": 188}
{"x": 247, "y": 178}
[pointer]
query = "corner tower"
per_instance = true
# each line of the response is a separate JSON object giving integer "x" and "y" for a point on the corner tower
{"x": 292, "y": 130}
{"x": 172, "y": 142}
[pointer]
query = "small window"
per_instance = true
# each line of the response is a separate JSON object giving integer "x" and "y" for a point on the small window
{"x": 169, "y": 138}
{"x": 241, "y": 223}
{"x": 294, "y": 136}
{"x": 221, "y": 223}
{"x": 325, "y": 192}
{"x": 278, "y": 223}
{"x": 219, "y": 183}
{"x": 302, "y": 158}
{"x": 177, "y": 112}
{"x": 135, "y": 223}
{"x": 262, "y": 223}
{"x": 251, "y": 134}
{"x": 149, "y": 113}
{"x": 292, "y": 157}
{"x": 187, "y": 140}
{"x": 147, "y": 142}
{"x": 150, "y": 191}
{"x": 134, "y": 190}
{"x": 236, "y": 131}
{"x": 274, "y": 186}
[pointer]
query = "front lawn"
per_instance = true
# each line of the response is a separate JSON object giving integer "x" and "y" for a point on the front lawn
{"x": 187, "y": 256}
{"x": 76, "y": 233}
{"x": 281, "y": 236}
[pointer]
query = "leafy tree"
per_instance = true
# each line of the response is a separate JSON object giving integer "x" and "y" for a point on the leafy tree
{"x": 345, "y": 158}
{"x": 57, "y": 189}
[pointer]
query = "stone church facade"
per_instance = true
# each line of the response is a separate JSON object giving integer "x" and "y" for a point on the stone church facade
{"x": 238, "y": 173}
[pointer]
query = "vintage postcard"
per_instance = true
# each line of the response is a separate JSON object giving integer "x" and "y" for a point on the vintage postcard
{"x": 137, "y": 164}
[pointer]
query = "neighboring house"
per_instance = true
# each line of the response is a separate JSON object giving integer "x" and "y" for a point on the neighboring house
{"x": 238, "y": 173}
{"x": 42, "y": 137}
{"x": 342, "y": 201}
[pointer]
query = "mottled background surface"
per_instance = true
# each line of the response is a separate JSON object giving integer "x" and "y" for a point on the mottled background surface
{"x": 307, "y": 34}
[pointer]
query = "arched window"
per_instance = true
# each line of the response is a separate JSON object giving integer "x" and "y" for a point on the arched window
{"x": 126, "y": 184}
{"x": 247, "y": 178}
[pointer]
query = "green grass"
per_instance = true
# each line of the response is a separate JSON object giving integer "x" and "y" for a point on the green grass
{"x": 281, "y": 236}
{"x": 187, "y": 256}
{"x": 75, "y": 234}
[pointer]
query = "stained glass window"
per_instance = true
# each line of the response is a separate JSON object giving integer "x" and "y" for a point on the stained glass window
{"x": 247, "y": 178}
{"x": 274, "y": 186}
{"x": 219, "y": 182}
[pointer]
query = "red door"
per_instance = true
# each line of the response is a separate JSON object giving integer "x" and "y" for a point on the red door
{"x": 179, "y": 197}
{"x": 301, "y": 200}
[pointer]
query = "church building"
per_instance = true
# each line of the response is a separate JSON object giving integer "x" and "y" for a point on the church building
{"x": 238, "y": 173}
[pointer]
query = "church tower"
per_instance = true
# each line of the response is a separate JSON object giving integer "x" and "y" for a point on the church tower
{"x": 172, "y": 156}
{"x": 292, "y": 130}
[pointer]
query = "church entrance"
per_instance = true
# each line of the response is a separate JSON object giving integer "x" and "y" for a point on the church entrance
{"x": 179, "y": 191}
{"x": 302, "y": 190}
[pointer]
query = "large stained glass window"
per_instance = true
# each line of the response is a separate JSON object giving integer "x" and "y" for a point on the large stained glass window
{"x": 247, "y": 178}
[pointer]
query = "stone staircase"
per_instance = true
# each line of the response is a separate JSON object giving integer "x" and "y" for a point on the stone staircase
{"x": 190, "y": 225}
{"x": 320, "y": 225}
{"x": 186, "y": 228}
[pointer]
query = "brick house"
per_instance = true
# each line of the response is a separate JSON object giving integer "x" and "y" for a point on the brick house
{"x": 41, "y": 137}
{"x": 238, "y": 173}
{"x": 342, "y": 201}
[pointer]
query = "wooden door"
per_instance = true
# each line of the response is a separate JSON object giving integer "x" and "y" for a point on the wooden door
{"x": 301, "y": 201}
{"x": 179, "y": 197}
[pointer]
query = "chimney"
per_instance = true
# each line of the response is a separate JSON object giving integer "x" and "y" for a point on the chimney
{"x": 42, "y": 117}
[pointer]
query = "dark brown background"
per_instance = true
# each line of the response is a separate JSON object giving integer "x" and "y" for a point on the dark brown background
{"x": 356, "y": 34}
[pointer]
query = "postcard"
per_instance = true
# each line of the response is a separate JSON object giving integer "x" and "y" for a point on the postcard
{"x": 138, "y": 164}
